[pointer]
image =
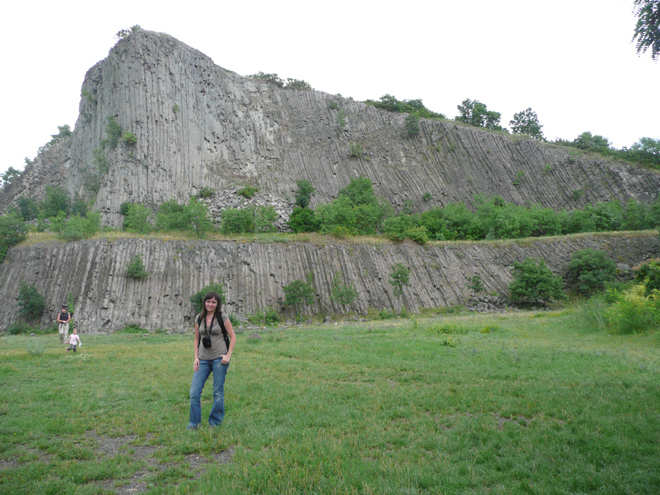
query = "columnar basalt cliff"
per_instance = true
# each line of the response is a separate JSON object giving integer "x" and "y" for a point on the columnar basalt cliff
{"x": 200, "y": 126}
{"x": 253, "y": 274}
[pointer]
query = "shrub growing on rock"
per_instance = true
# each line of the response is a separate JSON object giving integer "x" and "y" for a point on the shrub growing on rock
{"x": 534, "y": 284}
{"x": 135, "y": 268}
{"x": 588, "y": 271}
{"x": 30, "y": 303}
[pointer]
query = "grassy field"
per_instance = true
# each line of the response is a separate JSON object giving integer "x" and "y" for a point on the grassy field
{"x": 518, "y": 403}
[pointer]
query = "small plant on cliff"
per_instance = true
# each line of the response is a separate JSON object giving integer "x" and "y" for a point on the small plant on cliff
{"x": 399, "y": 278}
{"x": 113, "y": 133}
{"x": 297, "y": 84}
{"x": 476, "y": 285}
{"x": 304, "y": 193}
{"x": 355, "y": 150}
{"x": 31, "y": 304}
{"x": 12, "y": 231}
{"x": 198, "y": 298}
{"x": 135, "y": 268}
{"x": 206, "y": 193}
{"x": 269, "y": 78}
{"x": 342, "y": 293}
{"x": 129, "y": 138}
{"x": 412, "y": 125}
{"x": 299, "y": 294}
{"x": 534, "y": 284}
{"x": 247, "y": 192}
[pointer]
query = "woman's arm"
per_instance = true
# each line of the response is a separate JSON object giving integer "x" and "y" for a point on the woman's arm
{"x": 196, "y": 349}
{"x": 232, "y": 341}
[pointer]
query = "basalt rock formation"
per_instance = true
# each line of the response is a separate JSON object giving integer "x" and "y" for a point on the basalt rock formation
{"x": 93, "y": 273}
{"x": 197, "y": 125}
{"x": 188, "y": 125}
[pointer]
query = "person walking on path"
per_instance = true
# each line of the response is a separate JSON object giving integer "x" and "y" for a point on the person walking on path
{"x": 214, "y": 344}
{"x": 74, "y": 341}
{"x": 63, "y": 319}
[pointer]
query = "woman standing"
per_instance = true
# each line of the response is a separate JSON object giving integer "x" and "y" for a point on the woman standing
{"x": 214, "y": 343}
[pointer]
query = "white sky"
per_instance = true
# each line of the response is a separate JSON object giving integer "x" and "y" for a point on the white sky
{"x": 572, "y": 61}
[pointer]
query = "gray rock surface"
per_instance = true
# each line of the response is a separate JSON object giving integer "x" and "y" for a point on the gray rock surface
{"x": 200, "y": 126}
{"x": 253, "y": 274}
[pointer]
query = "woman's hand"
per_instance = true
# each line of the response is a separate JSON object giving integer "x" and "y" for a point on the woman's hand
{"x": 226, "y": 358}
{"x": 195, "y": 364}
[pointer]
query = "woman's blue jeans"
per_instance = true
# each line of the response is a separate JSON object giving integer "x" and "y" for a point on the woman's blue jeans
{"x": 199, "y": 379}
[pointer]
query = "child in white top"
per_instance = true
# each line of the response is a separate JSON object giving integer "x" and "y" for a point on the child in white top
{"x": 74, "y": 341}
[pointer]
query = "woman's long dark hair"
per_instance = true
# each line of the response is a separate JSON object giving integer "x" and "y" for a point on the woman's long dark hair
{"x": 217, "y": 315}
{"x": 218, "y": 310}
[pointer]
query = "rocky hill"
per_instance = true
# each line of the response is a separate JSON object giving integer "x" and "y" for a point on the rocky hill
{"x": 160, "y": 121}
{"x": 197, "y": 125}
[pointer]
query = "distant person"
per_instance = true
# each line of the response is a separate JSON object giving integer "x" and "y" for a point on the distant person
{"x": 63, "y": 319}
{"x": 213, "y": 345}
{"x": 74, "y": 341}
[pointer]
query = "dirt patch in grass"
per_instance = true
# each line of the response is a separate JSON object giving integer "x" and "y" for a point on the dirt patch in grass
{"x": 139, "y": 481}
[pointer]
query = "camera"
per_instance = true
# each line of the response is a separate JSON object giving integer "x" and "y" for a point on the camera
{"x": 206, "y": 341}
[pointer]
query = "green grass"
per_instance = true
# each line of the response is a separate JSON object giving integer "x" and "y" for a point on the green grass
{"x": 521, "y": 403}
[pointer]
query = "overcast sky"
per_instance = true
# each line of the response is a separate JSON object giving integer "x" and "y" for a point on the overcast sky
{"x": 572, "y": 61}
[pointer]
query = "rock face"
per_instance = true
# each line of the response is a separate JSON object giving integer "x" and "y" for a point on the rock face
{"x": 192, "y": 125}
{"x": 253, "y": 274}
{"x": 200, "y": 126}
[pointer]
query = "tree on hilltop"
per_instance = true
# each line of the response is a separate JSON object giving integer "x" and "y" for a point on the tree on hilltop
{"x": 475, "y": 113}
{"x": 527, "y": 122}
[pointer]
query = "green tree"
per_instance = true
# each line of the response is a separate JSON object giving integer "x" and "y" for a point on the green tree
{"x": 475, "y": 113}
{"x": 269, "y": 78}
{"x": 527, "y": 122}
{"x": 303, "y": 220}
{"x": 264, "y": 219}
{"x": 63, "y": 131}
{"x": 196, "y": 214}
{"x": 30, "y": 303}
{"x": 588, "y": 142}
{"x": 9, "y": 176}
{"x": 77, "y": 227}
{"x": 137, "y": 218}
{"x": 399, "y": 278}
{"x": 588, "y": 271}
{"x": 304, "y": 193}
{"x": 341, "y": 292}
{"x": 297, "y": 84}
{"x": 237, "y": 221}
{"x": 171, "y": 216}
{"x": 298, "y": 294}
{"x": 28, "y": 208}
{"x": 56, "y": 201}
{"x": 412, "y": 125}
{"x": 12, "y": 231}
{"x": 647, "y": 28}
{"x": 135, "y": 268}
{"x": 534, "y": 284}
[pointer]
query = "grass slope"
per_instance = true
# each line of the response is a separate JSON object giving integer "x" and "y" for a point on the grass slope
{"x": 520, "y": 403}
